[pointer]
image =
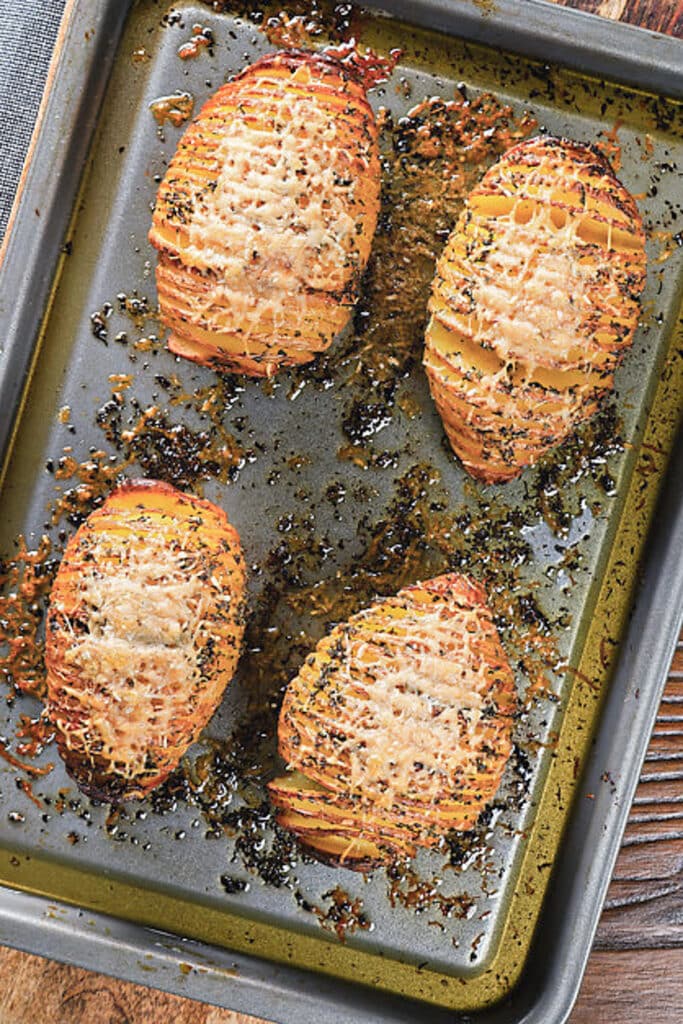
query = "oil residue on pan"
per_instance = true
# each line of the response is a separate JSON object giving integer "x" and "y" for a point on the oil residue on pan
{"x": 340, "y": 482}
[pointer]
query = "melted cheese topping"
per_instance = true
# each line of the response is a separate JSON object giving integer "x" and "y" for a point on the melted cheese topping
{"x": 532, "y": 293}
{"x": 418, "y": 723}
{"x": 394, "y": 708}
{"x": 134, "y": 649}
{"x": 279, "y": 216}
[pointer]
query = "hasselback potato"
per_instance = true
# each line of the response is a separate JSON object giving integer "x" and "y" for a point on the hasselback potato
{"x": 265, "y": 217}
{"x": 398, "y": 727}
{"x": 144, "y": 631}
{"x": 534, "y": 302}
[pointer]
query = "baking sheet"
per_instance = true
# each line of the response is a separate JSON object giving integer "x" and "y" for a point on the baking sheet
{"x": 279, "y": 424}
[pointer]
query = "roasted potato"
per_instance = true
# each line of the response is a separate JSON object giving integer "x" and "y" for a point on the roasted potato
{"x": 398, "y": 728}
{"x": 534, "y": 302}
{"x": 144, "y": 630}
{"x": 265, "y": 217}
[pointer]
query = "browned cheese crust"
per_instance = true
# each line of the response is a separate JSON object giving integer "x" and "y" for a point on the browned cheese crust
{"x": 144, "y": 631}
{"x": 265, "y": 218}
{"x": 534, "y": 302}
{"x": 398, "y": 727}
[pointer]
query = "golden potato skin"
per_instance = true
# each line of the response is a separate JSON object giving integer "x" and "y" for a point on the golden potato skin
{"x": 398, "y": 727}
{"x": 265, "y": 217}
{"x": 534, "y": 302}
{"x": 143, "y": 634}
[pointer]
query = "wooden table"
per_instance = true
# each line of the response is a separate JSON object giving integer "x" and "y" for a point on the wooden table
{"x": 635, "y": 972}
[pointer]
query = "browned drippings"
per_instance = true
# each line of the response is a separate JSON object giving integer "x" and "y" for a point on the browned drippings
{"x": 201, "y": 39}
{"x": 34, "y": 735}
{"x": 30, "y": 769}
{"x": 343, "y": 916}
{"x": 25, "y": 583}
{"x": 176, "y": 108}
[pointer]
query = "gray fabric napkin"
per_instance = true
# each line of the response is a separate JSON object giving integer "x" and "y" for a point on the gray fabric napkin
{"x": 28, "y": 29}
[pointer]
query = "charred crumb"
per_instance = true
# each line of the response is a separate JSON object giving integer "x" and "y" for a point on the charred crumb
{"x": 521, "y": 769}
{"x": 365, "y": 419}
{"x": 460, "y": 845}
{"x": 175, "y": 790}
{"x": 409, "y": 889}
{"x": 98, "y": 326}
{"x": 530, "y": 613}
{"x": 582, "y": 461}
{"x": 264, "y": 848}
{"x": 343, "y": 916}
{"x": 231, "y": 884}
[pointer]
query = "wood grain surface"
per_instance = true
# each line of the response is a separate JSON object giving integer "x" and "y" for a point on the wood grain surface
{"x": 644, "y": 906}
{"x": 635, "y": 972}
{"x": 657, "y": 15}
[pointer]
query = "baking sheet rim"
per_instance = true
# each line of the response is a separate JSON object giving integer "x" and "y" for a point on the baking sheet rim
{"x": 72, "y": 12}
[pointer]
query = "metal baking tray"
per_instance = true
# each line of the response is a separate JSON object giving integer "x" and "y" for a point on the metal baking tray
{"x": 166, "y": 895}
